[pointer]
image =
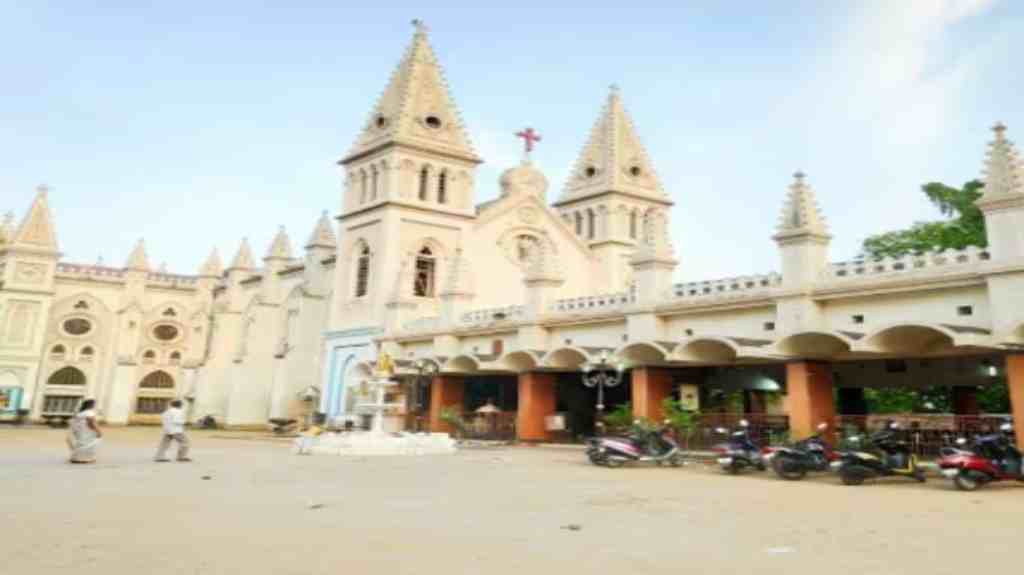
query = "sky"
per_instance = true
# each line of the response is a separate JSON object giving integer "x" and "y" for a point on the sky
{"x": 194, "y": 124}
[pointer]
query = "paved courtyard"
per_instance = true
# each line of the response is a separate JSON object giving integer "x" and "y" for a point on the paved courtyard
{"x": 247, "y": 505}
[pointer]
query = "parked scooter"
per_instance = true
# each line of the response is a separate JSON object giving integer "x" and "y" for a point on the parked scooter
{"x": 739, "y": 452}
{"x": 643, "y": 445}
{"x": 893, "y": 457}
{"x": 991, "y": 457}
{"x": 793, "y": 462}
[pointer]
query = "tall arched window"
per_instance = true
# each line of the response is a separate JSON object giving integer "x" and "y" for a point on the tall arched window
{"x": 632, "y": 224}
{"x": 175, "y": 357}
{"x": 58, "y": 352}
{"x": 424, "y": 181}
{"x": 66, "y": 376}
{"x": 423, "y": 285}
{"x": 375, "y": 182}
{"x": 579, "y": 223}
{"x": 149, "y": 356}
{"x": 363, "y": 272}
{"x": 362, "y": 186}
{"x": 590, "y": 224}
{"x": 157, "y": 380}
{"x": 86, "y": 354}
{"x": 442, "y": 187}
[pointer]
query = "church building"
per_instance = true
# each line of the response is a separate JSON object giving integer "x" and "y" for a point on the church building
{"x": 502, "y": 302}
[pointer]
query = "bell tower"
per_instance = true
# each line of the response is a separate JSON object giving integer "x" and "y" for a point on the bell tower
{"x": 408, "y": 197}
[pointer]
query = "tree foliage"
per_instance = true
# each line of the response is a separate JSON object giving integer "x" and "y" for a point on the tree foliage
{"x": 964, "y": 226}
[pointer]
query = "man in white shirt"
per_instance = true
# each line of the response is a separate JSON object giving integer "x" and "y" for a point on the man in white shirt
{"x": 173, "y": 420}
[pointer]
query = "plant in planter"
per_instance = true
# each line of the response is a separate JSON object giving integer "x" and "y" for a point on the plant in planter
{"x": 453, "y": 417}
{"x": 683, "y": 422}
{"x": 619, "y": 419}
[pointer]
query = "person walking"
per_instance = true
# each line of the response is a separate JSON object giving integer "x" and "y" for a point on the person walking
{"x": 173, "y": 420}
{"x": 84, "y": 435}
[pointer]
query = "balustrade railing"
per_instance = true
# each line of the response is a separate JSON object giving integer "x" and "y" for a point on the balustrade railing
{"x": 594, "y": 302}
{"x": 906, "y": 264}
{"x": 742, "y": 285}
{"x": 488, "y": 315}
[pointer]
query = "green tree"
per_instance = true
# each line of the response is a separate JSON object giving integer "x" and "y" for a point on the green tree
{"x": 964, "y": 226}
{"x": 683, "y": 421}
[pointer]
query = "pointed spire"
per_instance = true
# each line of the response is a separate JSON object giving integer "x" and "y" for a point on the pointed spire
{"x": 213, "y": 266}
{"x": 613, "y": 157}
{"x": 1004, "y": 172}
{"x": 323, "y": 234}
{"x": 460, "y": 276}
{"x": 416, "y": 108}
{"x": 243, "y": 259}
{"x": 800, "y": 213}
{"x": 137, "y": 260}
{"x": 36, "y": 229}
{"x": 281, "y": 247}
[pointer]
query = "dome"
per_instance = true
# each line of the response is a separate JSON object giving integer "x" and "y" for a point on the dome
{"x": 524, "y": 179}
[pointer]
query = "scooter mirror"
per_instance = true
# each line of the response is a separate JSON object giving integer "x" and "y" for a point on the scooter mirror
{"x": 894, "y": 425}
{"x": 961, "y": 441}
{"x": 855, "y": 439}
{"x": 744, "y": 423}
{"x": 822, "y": 426}
{"x": 720, "y": 430}
{"x": 1006, "y": 427}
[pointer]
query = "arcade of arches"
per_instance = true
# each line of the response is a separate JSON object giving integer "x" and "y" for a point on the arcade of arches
{"x": 797, "y": 395}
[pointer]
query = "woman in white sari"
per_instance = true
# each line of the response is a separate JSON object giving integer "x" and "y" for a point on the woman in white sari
{"x": 84, "y": 435}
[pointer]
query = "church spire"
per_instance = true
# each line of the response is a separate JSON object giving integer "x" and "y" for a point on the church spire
{"x": 323, "y": 234}
{"x": 137, "y": 260}
{"x": 243, "y": 258}
{"x": 213, "y": 266}
{"x": 1004, "y": 173}
{"x": 416, "y": 108}
{"x": 800, "y": 213}
{"x": 36, "y": 229}
{"x": 613, "y": 158}
{"x": 281, "y": 247}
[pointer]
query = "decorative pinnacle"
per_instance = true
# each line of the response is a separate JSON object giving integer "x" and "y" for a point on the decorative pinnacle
{"x": 43, "y": 189}
{"x": 799, "y": 176}
{"x": 421, "y": 27}
{"x": 613, "y": 89}
{"x": 999, "y": 128}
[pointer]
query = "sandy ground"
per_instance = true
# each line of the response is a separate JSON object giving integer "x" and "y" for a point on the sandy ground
{"x": 495, "y": 510}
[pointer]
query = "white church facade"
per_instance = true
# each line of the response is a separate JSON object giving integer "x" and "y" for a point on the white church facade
{"x": 520, "y": 291}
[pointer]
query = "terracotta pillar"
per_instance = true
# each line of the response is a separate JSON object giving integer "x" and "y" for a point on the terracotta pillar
{"x": 1015, "y": 381}
{"x": 537, "y": 395}
{"x": 965, "y": 401}
{"x": 445, "y": 391}
{"x": 809, "y": 387}
{"x": 650, "y": 387}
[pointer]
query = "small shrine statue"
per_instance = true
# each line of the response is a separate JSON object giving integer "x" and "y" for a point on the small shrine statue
{"x": 384, "y": 365}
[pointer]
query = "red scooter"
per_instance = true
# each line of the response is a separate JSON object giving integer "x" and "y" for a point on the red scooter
{"x": 991, "y": 457}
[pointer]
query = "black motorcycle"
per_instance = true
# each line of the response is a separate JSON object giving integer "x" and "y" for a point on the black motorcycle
{"x": 795, "y": 461}
{"x": 739, "y": 452}
{"x": 886, "y": 454}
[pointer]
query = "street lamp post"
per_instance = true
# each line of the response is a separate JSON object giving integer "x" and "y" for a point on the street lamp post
{"x": 425, "y": 370}
{"x": 601, "y": 375}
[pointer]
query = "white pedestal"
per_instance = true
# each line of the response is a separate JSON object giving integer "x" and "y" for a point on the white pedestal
{"x": 372, "y": 443}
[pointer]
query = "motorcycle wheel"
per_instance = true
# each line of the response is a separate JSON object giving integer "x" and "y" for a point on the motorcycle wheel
{"x": 853, "y": 474}
{"x": 788, "y": 470}
{"x": 920, "y": 476}
{"x": 613, "y": 462}
{"x": 676, "y": 460}
{"x": 596, "y": 458}
{"x": 733, "y": 468}
{"x": 966, "y": 481}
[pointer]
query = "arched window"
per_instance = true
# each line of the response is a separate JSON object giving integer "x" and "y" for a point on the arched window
{"x": 590, "y": 224}
{"x": 632, "y": 224}
{"x": 374, "y": 184}
{"x": 424, "y": 280}
{"x": 175, "y": 357}
{"x": 67, "y": 376}
{"x": 579, "y": 223}
{"x": 58, "y": 352}
{"x": 442, "y": 187}
{"x": 362, "y": 186}
{"x": 86, "y": 354}
{"x": 157, "y": 380}
{"x": 363, "y": 272}
{"x": 149, "y": 356}
{"x": 424, "y": 180}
